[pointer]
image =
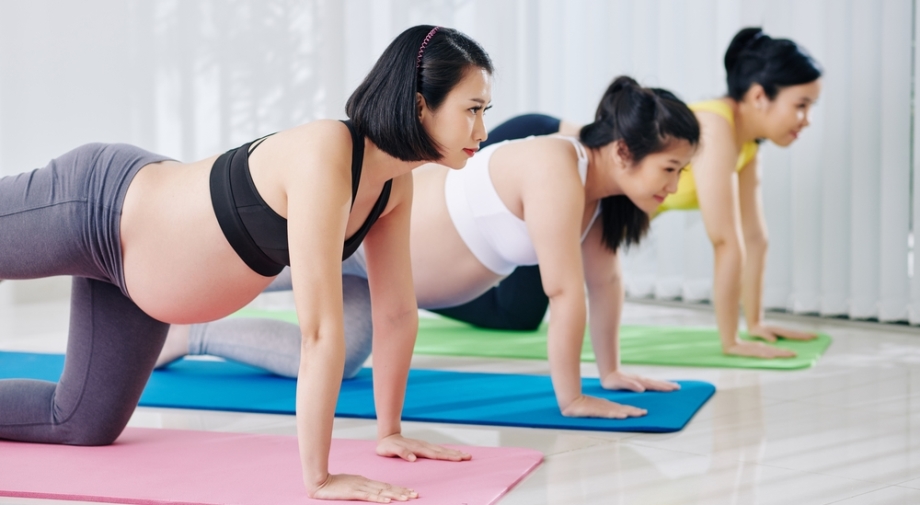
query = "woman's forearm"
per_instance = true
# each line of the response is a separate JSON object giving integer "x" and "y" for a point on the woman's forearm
{"x": 322, "y": 358}
{"x": 752, "y": 284}
{"x": 564, "y": 342}
{"x": 605, "y": 310}
{"x": 729, "y": 264}
{"x": 394, "y": 340}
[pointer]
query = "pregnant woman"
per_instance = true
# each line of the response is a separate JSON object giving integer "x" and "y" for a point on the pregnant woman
{"x": 152, "y": 242}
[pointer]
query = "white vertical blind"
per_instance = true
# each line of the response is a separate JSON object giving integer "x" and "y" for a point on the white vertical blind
{"x": 894, "y": 164}
{"x": 865, "y": 150}
{"x": 191, "y": 78}
{"x": 914, "y": 260}
{"x": 835, "y": 167}
{"x": 805, "y": 182}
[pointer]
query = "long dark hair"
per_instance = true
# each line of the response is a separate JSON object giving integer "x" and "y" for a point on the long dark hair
{"x": 646, "y": 120}
{"x": 753, "y": 57}
{"x": 383, "y": 107}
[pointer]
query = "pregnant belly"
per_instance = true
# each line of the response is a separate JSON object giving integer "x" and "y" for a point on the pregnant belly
{"x": 439, "y": 288}
{"x": 182, "y": 292}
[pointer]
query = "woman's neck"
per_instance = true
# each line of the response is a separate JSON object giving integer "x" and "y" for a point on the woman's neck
{"x": 600, "y": 182}
{"x": 745, "y": 124}
{"x": 384, "y": 167}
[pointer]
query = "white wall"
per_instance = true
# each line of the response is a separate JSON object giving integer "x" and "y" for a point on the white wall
{"x": 190, "y": 78}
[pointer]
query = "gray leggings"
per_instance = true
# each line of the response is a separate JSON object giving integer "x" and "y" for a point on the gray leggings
{"x": 275, "y": 345}
{"x": 64, "y": 220}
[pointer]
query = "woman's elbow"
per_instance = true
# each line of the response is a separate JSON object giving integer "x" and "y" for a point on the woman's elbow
{"x": 400, "y": 317}
{"x": 728, "y": 248}
{"x": 565, "y": 294}
{"x": 311, "y": 338}
{"x": 757, "y": 243}
{"x": 609, "y": 279}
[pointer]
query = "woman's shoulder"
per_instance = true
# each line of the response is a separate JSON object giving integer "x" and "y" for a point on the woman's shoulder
{"x": 717, "y": 140}
{"x": 324, "y": 141}
{"x": 715, "y": 126}
{"x": 716, "y": 118}
{"x": 545, "y": 150}
{"x": 328, "y": 132}
{"x": 716, "y": 108}
{"x": 547, "y": 160}
{"x": 306, "y": 152}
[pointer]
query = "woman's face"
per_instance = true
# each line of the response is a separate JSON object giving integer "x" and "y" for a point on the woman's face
{"x": 789, "y": 112}
{"x": 648, "y": 182}
{"x": 457, "y": 125}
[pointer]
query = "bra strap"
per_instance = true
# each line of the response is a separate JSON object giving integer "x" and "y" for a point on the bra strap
{"x": 357, "y": 158}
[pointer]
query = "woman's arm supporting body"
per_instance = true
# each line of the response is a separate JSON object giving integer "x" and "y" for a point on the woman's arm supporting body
{"x": 395, "y": 322}
{"x": 317, "y": 213}
{"x": 754, "y": 230}
{"x": 754, "y": 227}
{"x": 553, "y": 202}
{"x": 604, "y": 280}
{"x": 717, "y": 184}
{"x": 318, "y": 205}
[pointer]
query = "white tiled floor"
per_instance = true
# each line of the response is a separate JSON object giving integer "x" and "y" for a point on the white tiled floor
{"x": 845, "y": 432}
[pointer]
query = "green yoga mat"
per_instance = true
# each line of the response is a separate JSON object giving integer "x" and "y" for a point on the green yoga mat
{"x": 639, "y": 345}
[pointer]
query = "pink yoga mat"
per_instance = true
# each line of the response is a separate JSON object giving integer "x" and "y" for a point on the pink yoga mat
{"x": 149, "y": 466}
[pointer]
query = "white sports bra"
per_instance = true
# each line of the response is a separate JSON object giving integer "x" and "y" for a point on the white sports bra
{"x": 497, "y": 238}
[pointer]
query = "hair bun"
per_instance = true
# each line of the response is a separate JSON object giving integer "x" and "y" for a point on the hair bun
{"x": 623, "y": 82}
{"x": 754, "y": 57}
{"x": 744, "y": 40}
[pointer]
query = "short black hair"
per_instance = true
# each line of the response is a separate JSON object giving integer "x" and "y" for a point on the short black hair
{"x": 383, "y": 107}
{"x": 753, "y": 57}
{"x": 647, "y": 121}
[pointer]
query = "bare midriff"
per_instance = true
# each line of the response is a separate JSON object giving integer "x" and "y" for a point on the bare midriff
{"x": 178, "y": 266}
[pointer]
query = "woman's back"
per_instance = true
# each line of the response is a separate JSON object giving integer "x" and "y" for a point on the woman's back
{"x": 445, "y": 269}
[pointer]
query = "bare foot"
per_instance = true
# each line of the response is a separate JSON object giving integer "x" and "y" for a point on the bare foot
{"x": 176, "y": 345}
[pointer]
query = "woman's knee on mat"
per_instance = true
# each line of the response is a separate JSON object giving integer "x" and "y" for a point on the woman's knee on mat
{"x": 94, "y": 435}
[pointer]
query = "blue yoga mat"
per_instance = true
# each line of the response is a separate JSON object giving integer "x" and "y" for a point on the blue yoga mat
{"x": 431, "y": 396}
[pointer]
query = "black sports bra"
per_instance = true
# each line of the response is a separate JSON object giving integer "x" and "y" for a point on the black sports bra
{"x": 256, "y": 232}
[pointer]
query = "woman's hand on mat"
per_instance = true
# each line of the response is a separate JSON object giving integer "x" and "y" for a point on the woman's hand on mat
{"x": 591, "y": 406}
{"x": 409, "y": 449}
{"x": 637, "y": 383}
{"x": 757, "y": 350}
{"x": 355, "y": 487}
{"x": 772, "y": 333}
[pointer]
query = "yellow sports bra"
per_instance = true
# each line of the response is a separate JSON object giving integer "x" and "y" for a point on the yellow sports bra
{"x": 685, "y": 198}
